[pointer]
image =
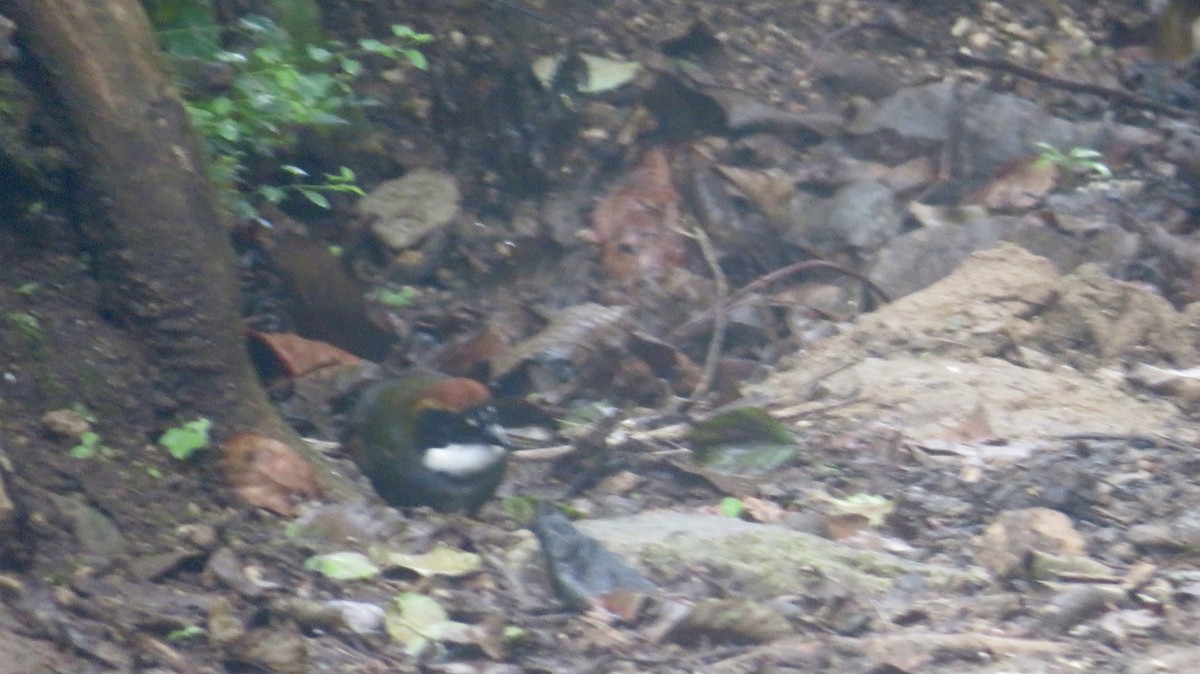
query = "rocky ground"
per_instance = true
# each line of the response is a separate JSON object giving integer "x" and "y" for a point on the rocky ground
{"x": 966, "y": 359}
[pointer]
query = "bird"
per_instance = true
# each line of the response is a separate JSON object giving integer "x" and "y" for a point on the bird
{"x": 427, "y": 439}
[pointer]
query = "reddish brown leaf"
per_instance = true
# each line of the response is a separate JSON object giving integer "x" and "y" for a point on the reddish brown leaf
{"x": 298, "y": 356}
{"x": 637, "y": 223}
{"x": 471, "y": 356}
{"x": 626, "y": 605}
{"x": 267, "y": 473}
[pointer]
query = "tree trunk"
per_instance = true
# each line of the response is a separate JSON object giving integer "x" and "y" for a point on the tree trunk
{"x": 162, "y": 259}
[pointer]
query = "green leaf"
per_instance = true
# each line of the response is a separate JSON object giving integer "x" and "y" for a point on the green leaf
{"x": 82, "y": 411}
{"x": 442, "y": 560}
{"x": 294, "y": 170}
{"x": 229, "y": 130}
{"x": 184, "y": 441}
{"x": 272, "y": 193}
{"x": 375, "y": 46}
{"x": 396, "y": 298}
{"x": 412, "y": 618}
{"x": 346, "y": 189}
{"x": 732, "y": 507}
{"x": 315, "y": 197}
{"x": 186, "y": 634}
{"x": 416, "y": 58}
{"x": 744, "y": 441}
{"x": 319, "y": 54}
{"x": 343, "y": 566}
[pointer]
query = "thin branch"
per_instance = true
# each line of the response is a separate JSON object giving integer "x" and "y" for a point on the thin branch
{"x": 720, "y": 318}
{"x": 1119, "y": 96}
{"x": 692, "y": 326}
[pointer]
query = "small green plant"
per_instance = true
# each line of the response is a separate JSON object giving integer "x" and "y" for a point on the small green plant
{"x": 152, "y": 471}
{"x": 89, "y": 445}
{"x": 278, "y": 84}
{"x": 405, "y": 46}
{"x": 397, "y": 299}
{"x": 732, "y": 507}
{"x": 185, "y": 440}
{"x": 1077, "y": 160}
{"x": 83, "y": 412}
{"x": 185, "y": 634}
{"x": 342, "y": 181}
{"x": 27, "y": 324}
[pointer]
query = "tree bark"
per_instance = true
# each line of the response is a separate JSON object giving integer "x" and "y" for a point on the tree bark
{"x": 163, "y": 261}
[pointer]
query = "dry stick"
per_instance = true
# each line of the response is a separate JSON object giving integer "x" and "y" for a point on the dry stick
{"x": 720, "y": 320}
{"x": 687, "y": 329}
{"x": 1121, "y": 96}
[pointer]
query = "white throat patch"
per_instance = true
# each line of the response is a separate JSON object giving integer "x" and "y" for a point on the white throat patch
{"x": 463, "y": 460}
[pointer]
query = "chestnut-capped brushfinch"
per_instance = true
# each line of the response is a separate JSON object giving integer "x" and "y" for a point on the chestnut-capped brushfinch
{"x": 423, "y": 438}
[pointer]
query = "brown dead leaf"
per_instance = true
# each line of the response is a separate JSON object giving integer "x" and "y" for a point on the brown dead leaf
{"x": 841, "y": 526}
{"x": 761, "y": 510}
{"x": 625, "y": 605}
{"x": 267, "y": 473}
{"x": 1014, "y": 534}
{"x": 471, "y": 356}
{"x": 299, "y": 357}
{"x": 1019, "y": 186}
{"x": 771, "y": 190}
{"x": 637, "y": 224}
{"x": 666, "y": 360}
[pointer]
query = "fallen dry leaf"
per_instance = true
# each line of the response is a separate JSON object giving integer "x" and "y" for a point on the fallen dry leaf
{"x": 1019, "y": 186}
{"x": 1015, "y": 534}
{"x": 267, "y": 473}
{"x": 637, "y": 224}
{"x": 298, "y": 357}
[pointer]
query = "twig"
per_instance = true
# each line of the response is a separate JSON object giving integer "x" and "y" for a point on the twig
{"x": 1120, "y": 96}
{"x": 889, "y": 23}
{"x": 689, "y": 328}
{"x": 720, "y": 319}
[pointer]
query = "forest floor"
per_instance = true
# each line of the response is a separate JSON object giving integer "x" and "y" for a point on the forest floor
{"x": 971, "y": 437}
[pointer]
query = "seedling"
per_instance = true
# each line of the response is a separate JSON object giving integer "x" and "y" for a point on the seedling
{"x": 27, "y": 324}
{"x": 89, "y": 445}
{"x": 83, "y": 412}
{"x": 397, "y": 299}
{"x": 343, "y": 182}
{"x": 1078, "y": 160}
{"x": 185, "y": 440}
{"x": 732, "y": 507}
{"x": 279, "y": 83}
{"x": 186, "y": 634}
